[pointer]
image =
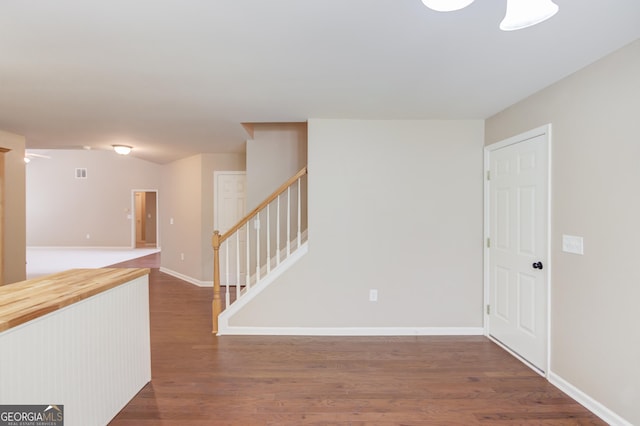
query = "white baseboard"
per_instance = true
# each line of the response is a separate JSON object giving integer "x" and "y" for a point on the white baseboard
{"x": 589, "y": 403}
{"x": 186, "y": 278}
{"x": 355, "y": 331}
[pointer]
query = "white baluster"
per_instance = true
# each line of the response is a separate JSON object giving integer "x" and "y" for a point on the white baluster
{"x": 237, "y": 264}
{"x": 247, "y": 274}
{"x": 288, "y": 221}
{"x": 226, "y": 273}
{"x": 268, "y": 238}
{"x": 299, "y": 220}
{"x": 278, "y": 231}
{"x": 258, "y": 247}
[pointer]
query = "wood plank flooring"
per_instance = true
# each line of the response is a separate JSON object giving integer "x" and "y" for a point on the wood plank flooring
{"x": 201, "y": 379}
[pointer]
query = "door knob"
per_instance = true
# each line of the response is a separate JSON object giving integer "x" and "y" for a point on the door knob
{"x": 537, "y": 265}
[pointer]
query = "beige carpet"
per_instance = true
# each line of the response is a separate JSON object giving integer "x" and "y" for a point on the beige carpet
{"x": 45, "y": 261}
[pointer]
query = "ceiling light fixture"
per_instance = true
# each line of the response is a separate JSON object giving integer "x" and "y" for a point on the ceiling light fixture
{"x": 122, "y": 149}
{"x": 526, "y": 13}
{"x": 520, "y": 13}
{"x": 447, "y": 5}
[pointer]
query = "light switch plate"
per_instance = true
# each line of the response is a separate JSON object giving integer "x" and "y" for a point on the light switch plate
{"x": 572, "y": 244}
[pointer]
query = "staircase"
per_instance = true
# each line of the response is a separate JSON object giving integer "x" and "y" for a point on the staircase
{"x": 260, "y": 247}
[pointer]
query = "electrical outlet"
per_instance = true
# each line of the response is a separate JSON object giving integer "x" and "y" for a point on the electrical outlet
{"x": 88, "y": 236}
{"x": 572, "y": 244}
{"x": 373, "y": 295}
{"x": 181, "y": 256}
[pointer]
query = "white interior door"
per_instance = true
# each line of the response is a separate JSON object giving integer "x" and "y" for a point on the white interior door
{"x": 517, "y": 246}
{"x": 230, "y": 205}
{"x": 231, "y": 195}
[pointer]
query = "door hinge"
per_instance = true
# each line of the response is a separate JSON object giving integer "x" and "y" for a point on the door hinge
{"x": 488, "y": 309}
{"x": 488, "y": 174}
{"x": 488, "y": 242}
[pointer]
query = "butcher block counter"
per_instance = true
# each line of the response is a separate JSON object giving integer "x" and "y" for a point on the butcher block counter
{"x": 23, "y": 301}
{"x": 79, "y": 339}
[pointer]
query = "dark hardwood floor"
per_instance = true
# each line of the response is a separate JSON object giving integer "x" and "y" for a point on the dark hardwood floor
{"x": 201, "y": 379}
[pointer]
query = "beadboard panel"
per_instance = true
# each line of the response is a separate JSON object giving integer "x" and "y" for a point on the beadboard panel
{"x": 92, "y": 356}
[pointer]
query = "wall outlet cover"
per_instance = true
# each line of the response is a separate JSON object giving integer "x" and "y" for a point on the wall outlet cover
{"x": 572, "y": 244}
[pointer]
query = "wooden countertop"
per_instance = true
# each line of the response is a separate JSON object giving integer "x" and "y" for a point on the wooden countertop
{"x": 26, "y": 300}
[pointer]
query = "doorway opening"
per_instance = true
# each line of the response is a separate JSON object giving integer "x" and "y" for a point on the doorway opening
{"x": 145, "y": 219}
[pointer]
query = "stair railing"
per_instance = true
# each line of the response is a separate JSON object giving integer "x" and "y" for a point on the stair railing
{"x": 240, "y": 268}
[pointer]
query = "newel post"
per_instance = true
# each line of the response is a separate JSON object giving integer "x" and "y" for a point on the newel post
{"x": 216, "y": 306}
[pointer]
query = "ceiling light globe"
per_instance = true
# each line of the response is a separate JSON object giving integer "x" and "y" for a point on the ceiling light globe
{"x": 122, "y": 149}
{"x": 447, "y": 5}
{"x": 526, "y": 13}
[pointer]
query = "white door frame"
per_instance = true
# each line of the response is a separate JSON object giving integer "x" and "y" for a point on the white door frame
{"x": 131, "y": 216}
{"x": 216, "y": 176}
{"x": 539, "y": 131}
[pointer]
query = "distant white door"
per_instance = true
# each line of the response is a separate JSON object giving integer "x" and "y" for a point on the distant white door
{"x": 230, "y": 196}
{"x": 230, "y": 205}
{"x": 518, "y": 251}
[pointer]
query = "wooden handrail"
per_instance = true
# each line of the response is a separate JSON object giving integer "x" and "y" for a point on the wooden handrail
{"x": 218, "y": 239}
{"x": 263, "y": 204}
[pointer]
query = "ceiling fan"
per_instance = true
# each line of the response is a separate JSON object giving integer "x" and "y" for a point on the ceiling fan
{"x": 520, "y": 13}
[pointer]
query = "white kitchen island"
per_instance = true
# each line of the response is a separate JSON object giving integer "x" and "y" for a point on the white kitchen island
{"x": 79, "y": 338}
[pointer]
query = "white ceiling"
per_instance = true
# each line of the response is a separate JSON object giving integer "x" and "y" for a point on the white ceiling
{"x": 177, "y": 77}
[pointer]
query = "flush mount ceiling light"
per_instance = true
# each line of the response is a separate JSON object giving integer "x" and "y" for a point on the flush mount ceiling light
{"x": 525, "y": 13}
{"x": 447, "y": 5}
{"x": 122, "y": 149}
{"x": 520, "y": 13}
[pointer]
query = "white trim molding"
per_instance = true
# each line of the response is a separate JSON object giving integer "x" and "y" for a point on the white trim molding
{"x": 588, "y": 402}
{"x": 355, "y": 331}
{"x": 187, "y": 278}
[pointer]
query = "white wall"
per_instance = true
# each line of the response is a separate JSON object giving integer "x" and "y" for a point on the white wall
{"x": 274, "y": 154}
{"x": 395, "y": 206}
{"x": 62, "y": 210}
{"x": 595, "y": 342}
{"x": 181, "y": 217}
{"x": 187, "y": 198}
